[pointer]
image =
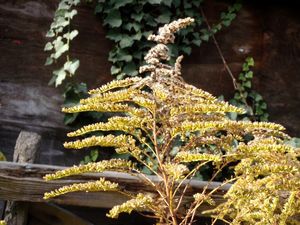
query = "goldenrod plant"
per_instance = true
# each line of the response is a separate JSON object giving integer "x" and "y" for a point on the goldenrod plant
{"x": 169, "y": 127}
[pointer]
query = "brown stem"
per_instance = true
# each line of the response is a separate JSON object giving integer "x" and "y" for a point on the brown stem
{"x": 219, "y": 50}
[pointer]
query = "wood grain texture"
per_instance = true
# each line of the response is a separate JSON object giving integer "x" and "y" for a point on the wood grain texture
{"x": 23, "y": 182}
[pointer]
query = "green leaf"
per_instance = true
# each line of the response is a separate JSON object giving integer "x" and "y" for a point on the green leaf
{"x": 130, "y": 69}
{"x": 94, "y": 155}
{"x": 60, "y": 22}
{"x": 71, "y": 35}
{"x": 197, "y": 42}
{"x": 113, "y": 19}
{"x": 69, "y": 118}
{"x": 249, "y": 74}
{"x": 205, "y": 37}
{"x": 123, "y": 55}
{"x": 59, "y": 51}
{"x": 187, "y": 5}
{"x": 237, "y": 6}
{"x": 71, "y": 14}
{"x": 58, "y": 43}
{"x": 232, "y": 115}
{"x": 187, "y": 49}
{"x": 98, "y": 8}
{"x": 71, "y": 66}
{"x": 226, "y": 23}
{"x": 126, "y": 41}
{"x": 146, "y": 34}
{"x": 119, "y": 3}
{"x": 60, "y": 75}
{"x": 154, "y": 1}
{"x": 115, "y": 70}
{"x": 49, "y": 61}
{"x": 48, "y": 46}
{"x": 114, "y": 34}
{"x": 167, "y": 2}
{"x": 135, "y": 26}
{"x": 176, "y": 3}
{"x": 137, "y": 36}
{"x": 50, "y": 34}
{"x": 137, "y": 17}
{"x": 121, "y": 76}
{"x": 247, "y": 84}
{"x": 250, "y": 61}
{"x": 164, "y": 18}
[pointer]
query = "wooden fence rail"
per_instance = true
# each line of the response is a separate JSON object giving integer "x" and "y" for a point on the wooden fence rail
{"x": 24, "y": 182}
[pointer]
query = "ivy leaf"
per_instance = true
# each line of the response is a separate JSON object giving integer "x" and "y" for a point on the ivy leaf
{"x": 146, "y": 34}
{"x": 115, "y": 70}
{"x": 71, "y": 14}
{"x": 137, "y": 17}
{"x": 176, "y": 3}
{"x": 226, "y": 23}
{"x": 113, "y": 19}
{"x": 71, "y": 35}
{"x": 48, "y": 46}
{"x": 50, "y": 34}
{"x": 187, "y": 49}
{"x": 130, "y": 69}
{"x": 60, "y": 75}
{"x": 126, "y": 41}
{"x": 49, "y": 61}
{"x": 164, "y": 18}
{"x": 249, "y": 74}
{"x": 94, "y": 155}
{"x": 167, "y": 2}
{"x": 135, "y": 26}
{"x": 71, "y": 66}
{"x": 197, "y": 42}
{"x": 250, "y": 61}
{"x": 119, "y": 3}
{"x": 60, "y": 22}
{"x": 205, "y": 37}
{"x": 69, "y": 118}
{"x": 58, "y": 43}
{"x": 62, "y": 49}
{"x": 98, "y": 8}
{"x": 122, "y": 55}
{"x": 137, "y": 36}
{"x": 247, "y": 84}
{"x": 154, "y": 1}
{"x": 114, "y": 35}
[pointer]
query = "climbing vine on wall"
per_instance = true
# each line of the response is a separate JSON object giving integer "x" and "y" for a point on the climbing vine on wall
{"x": 130, "y": 22}
{"x": 246, "y": 97}
{"x": 128, "y": 25}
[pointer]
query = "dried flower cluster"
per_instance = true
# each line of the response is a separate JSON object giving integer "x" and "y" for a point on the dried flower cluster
{"x": 166, "y": 125}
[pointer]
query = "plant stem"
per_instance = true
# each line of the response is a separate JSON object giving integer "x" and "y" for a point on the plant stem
{"x": 219, "y": 50}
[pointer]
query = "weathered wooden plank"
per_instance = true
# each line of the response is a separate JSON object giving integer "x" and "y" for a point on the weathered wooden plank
{"x": 24, "y": 182}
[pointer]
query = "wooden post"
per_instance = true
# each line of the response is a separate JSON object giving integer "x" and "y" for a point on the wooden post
{"x": 25, "y": 150}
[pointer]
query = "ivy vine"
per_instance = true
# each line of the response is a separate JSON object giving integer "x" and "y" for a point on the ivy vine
{"x": 246, "y": 97}
{"x": 128, "y": 25}
{"x": 130, "y": 22}
{"x": 62, "y": 35}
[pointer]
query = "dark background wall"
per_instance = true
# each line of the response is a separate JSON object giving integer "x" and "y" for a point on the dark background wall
{"x": 269, "y": 32}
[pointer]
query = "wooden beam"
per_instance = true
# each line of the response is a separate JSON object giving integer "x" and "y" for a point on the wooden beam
{"x": 23, "y": 182}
